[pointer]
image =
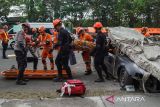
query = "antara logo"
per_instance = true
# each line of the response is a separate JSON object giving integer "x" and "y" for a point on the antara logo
{"x": 112, "y": 99}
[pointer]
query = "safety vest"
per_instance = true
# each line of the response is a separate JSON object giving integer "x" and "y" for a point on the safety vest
{"x": 4, "y": 37}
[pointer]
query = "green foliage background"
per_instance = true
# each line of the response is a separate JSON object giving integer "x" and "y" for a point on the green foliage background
{"x": 130, "y": 13}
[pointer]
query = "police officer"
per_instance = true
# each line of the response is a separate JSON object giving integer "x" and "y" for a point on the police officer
{"x": 21, "y": 54}
{"x": 99, "y": 52}
{"x": 64, "y": 41}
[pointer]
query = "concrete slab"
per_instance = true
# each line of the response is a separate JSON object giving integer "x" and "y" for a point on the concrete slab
{"x": 151, "y": 100}
{"x": 132, "y": 101}
{"x": 59, "y": 102}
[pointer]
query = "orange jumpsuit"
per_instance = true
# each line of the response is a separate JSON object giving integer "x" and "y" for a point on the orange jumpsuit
{"x": 85, "y": 54}
{"x": 47, "y": 49}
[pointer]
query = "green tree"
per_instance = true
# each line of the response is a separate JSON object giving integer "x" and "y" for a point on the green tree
{"x": 4, "y": 7}
{"x": 74, "y": 11}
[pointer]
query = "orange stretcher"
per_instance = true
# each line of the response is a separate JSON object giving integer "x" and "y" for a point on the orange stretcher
{"x": 151, "y": 31}
{"x": 38, "y": 74}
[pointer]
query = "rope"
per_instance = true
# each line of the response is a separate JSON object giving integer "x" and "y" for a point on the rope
{"x": 144, "y": 79}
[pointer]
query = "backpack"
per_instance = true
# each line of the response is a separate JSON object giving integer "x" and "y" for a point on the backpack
{"x": 73, "y": 87}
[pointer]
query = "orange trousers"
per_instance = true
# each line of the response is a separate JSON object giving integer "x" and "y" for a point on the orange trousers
{"x": 46, "y": 53}
{"x": 87, "y": 59}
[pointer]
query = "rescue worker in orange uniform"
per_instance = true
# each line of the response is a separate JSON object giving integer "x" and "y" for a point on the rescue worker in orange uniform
{"x": 5, "y": 39}
{"x": 45, "y": 41}
{"x": 145, "y": 32}
{"x": 82, "y": 35}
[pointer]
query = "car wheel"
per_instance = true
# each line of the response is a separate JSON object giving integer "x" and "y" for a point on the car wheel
{"x": 124, "y": 78}
{"x": 12, "y": 45}
{"x": 151, "y": 85}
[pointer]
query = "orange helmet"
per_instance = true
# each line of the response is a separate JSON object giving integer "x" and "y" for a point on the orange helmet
{"x": 79, "y": 29}
{"x": 5, "y": 27}
{"x": 98, "y": 25}
{"x": 34, "y": 29}
{"x": 41, "y": 29}
{"x": 56, "y": 22}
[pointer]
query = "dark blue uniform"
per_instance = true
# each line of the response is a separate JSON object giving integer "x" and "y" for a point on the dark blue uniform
{"x": 64, "y": 42}
{"x": 99, "y": 52}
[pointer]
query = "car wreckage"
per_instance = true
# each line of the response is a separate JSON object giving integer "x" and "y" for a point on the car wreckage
{"x": 135, "y": 59}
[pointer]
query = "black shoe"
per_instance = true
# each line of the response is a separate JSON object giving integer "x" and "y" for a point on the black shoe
{"x": 20, "y": 83}
{"x": 58, "y": 80}
{"x": 88, "y": 72}
{"x": 25, "y": 80}
{"x": 99, "y": 80}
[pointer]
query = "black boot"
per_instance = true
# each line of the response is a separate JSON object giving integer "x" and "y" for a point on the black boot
{"x": 99, "y": 80}
{"x": 58, "y": 79}
{"x": 25, "y": 80}
{"x": 88, "y": 72}
{"x": 109, "y": 76}
{"x": 20, "y": 82}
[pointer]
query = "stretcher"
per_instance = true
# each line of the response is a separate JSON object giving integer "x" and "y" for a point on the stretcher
{"x": 38, "y": 74}
{"x": 151, "y": 31}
